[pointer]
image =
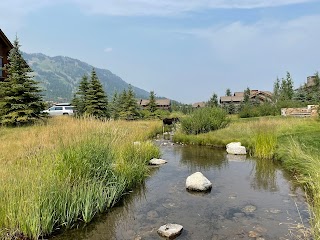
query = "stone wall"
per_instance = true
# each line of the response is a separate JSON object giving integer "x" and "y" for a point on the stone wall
{"x": 309, "y": 111}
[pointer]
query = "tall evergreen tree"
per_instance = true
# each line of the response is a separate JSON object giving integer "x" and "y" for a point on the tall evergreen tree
{"x": 246, "y": 96}
{"x": 228, "y": 92}
{"x": 276, "y": 90}
{"x": 152, "y": 106}
{"x": 97, "y": 102}
{"x": 114, "y": 106}
{"x": 286, "y": 88}
{"x": 20, "y": 99}
{"x": 122, "y": 104}
{"x": 80, "y": 99}
{"x": 213, "y": 101}
{"x": 131, "y": 105}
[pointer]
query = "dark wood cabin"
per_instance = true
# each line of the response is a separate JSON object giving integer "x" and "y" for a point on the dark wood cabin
{"x": 5, "y": 47}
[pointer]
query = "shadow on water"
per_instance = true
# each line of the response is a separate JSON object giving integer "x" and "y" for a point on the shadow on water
{"x": 249, "y": 199}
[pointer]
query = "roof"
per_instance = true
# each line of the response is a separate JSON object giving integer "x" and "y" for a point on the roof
{"x": 4, "y": 38}
{"x": 231, "y": 99}
{"x": 159, "y": 102}
{"x": 199, "y": 104}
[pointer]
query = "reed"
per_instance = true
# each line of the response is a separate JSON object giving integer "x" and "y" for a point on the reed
{"x": 53, "y": 175}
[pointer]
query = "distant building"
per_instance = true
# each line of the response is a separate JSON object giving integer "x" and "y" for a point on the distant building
{"x": 199, "y": 105}
{"x": 5, "y": 47}
{"x": 164, "y": 104}
{"x": 238, "y": 97}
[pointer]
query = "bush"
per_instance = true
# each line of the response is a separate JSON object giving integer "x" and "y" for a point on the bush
{"x": 205, "y": 120}
{"x": 265, "y": 109}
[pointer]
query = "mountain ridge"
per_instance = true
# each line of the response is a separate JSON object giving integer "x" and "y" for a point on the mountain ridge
{"x": 59, "y": 77}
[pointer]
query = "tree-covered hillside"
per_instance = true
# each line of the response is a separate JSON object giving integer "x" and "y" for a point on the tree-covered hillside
{"x": 59, "y": 77}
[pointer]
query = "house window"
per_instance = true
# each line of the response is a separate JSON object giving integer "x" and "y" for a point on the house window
{"x": 1, "y": 66}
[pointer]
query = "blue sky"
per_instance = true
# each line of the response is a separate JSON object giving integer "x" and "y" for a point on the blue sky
{"x": 183, "y": 50}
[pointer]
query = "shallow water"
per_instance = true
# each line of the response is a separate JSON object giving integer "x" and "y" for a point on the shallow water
{"x": 250, "y": 199}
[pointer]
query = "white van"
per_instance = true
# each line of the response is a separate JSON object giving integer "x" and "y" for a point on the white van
{"x": 60, "y": 109}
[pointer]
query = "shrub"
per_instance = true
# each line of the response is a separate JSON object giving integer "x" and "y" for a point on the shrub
{"x": 204, "y": 120}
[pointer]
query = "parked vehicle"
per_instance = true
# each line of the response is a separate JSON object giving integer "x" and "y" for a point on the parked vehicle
{"x": 60, "y": 109}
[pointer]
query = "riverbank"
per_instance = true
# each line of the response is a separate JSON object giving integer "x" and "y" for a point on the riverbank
{"x": 293, "y": 141}
{"x": 52, "y": 176}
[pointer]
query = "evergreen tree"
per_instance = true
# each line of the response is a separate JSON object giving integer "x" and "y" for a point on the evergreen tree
{"x": 80, "y": 97}
{"x": 246, "y": 96}
{"x": 114, "y": 106}
{"x": 20, "y": 99}
{"x": 228, "y": 92}
{"x": 213, "y": 101}
{"x": 131, "y": 105}
{"x": 152, "y": 106}
{"x": 122, "y": 104}
{"x": 276, "y": 90}
{"x": 286, "y": 88}
{"x": 97, "y": 102}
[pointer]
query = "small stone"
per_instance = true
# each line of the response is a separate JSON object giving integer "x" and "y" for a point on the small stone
{"x": 249, "y": 209}
{"x": 273, "y": 210}
{"x": 136, "y": 143}
{"x": 156, "y": 161}
{"x": 253, "y": 234}
{"x": 170, "y": 230}
{"x": 152, "y": 214}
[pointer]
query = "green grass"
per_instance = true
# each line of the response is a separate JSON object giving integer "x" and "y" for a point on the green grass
{"x": 295, "y": 142}
{"x": 68, "y": 171}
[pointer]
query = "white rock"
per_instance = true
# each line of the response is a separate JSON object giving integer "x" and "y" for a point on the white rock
{"x": 136, "y": 143}
{"x": 198, "y": 182}
{"x": 157, "y": 161}
{"x": 170, "y": 230}
{"x": 236, "y": 148}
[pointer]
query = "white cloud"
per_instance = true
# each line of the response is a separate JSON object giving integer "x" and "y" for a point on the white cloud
{"x": 265, "y": 49}
{"x": 108, "y": 49}
{"x": 173, "y": 7}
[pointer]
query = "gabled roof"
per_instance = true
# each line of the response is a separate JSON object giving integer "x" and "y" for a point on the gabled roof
{"x": 159, "y": 102}
{"x": 4, "y": 38}
{"x": 199, "y": 104}
{"x": 231, "y": 99}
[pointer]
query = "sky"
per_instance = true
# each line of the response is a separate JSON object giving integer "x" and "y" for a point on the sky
{"x": 185, "y": 50}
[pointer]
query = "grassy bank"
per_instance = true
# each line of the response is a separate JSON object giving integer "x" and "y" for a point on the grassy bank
{"x": 55, "y": 175}
{"x": 293, "y": 141}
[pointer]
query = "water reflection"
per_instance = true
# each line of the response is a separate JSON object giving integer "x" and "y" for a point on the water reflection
{"x": 248, "y": 197}
{"x": 264, "y": 176}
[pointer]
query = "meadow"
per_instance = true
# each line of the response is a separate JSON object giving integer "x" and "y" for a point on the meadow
{"x": 55, "y": 175}
{"x": 292, "y": 141}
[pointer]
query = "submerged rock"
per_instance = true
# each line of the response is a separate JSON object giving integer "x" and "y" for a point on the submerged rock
{"x": 249, "y": 209}
{"x": 198, "y": 182}
{"x": 157, "y": 161}
{"x": 170, "y": 230}
{"x": 236, "y": 148}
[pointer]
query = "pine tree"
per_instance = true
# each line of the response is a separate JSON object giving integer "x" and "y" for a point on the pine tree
{"x": 80, "y": 97}
{"x": 246, "y": 96}
{"x": 20, "y": 101}
{"x": 213, "y": 101}
{"x": 152, "y": 106}
{"x": 122, "y": 104}
{"x": 276, "y": 90}
{"x": 97, "y": 102}
{"x": 114, "y": 106}
{"x": 228, "y": 92}
{"x": 131, "y": 105}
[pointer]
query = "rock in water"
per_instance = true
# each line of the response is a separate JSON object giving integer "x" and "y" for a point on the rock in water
{"x": 198, "y": 182}
{"x": 170, "y": 230}
{"x": 156, "y": 161}
{"x": 236, "y": 148}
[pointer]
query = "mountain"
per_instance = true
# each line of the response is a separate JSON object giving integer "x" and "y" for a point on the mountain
{"x": 59, "y": 77}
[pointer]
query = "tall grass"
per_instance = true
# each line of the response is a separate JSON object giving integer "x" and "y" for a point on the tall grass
{"x": 55, "y": 175}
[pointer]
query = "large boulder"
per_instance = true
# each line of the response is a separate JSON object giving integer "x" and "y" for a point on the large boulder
{"x": 236, "y": 148}
{"x": 198, "y": 182}
{"x": 170, "y": 230}
{"x": 157, "y": 161}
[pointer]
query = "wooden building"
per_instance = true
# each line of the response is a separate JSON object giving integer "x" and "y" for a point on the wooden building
{"x": 5, "y": 47}
{"x": 164, "y": 104}
{"x": 238, "y": 97}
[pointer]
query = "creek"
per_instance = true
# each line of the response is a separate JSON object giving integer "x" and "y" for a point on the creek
{"x": 250, "y": 199}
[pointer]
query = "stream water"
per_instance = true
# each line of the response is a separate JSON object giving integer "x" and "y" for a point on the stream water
{"x": 250, "y": 199}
